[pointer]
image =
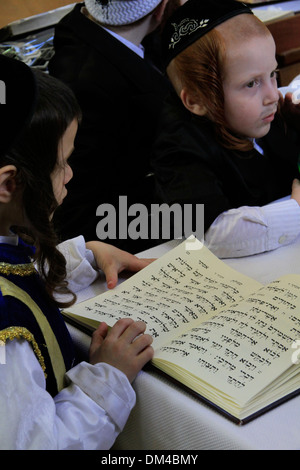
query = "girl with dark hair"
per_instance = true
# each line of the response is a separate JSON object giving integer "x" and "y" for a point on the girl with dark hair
{"x": 221, "y": 142}
{"x": 47, "y": 400}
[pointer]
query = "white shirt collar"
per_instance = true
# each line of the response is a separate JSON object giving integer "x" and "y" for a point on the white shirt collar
{"x": 10, "y": 239}
{"x": 257, "y": 147}
{"x": 137, "y": 49}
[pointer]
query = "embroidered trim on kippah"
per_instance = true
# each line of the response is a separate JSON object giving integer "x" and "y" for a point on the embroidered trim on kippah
{"x": 192, "y": 20}
{"x": 186, "y": 27}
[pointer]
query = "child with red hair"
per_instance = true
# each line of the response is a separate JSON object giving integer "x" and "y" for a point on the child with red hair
{"x": 223, "y": 140}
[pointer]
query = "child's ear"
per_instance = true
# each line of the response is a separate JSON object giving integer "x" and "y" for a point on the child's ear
{"x": 7, "y": 182}
{"x": 193, "y": 106}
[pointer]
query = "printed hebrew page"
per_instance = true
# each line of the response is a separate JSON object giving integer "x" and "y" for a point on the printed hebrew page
{"x": 222, "y": 334}
{"x": 244, "y": 350}
{"x": 175, "y": 292}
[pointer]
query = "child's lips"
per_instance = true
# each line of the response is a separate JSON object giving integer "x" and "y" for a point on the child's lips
{"x": 269, "y": 117}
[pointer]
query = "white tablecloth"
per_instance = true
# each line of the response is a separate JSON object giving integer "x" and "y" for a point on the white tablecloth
{"x": 168, "y": 418}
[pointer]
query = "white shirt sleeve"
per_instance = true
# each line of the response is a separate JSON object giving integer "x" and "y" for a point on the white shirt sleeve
{"x": 251, "y": 230}
{"x": 81, "y": 266}
{"x": 88, "y": 414}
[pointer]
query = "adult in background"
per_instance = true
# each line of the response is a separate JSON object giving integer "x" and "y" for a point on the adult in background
{"x": 99, "y": 54}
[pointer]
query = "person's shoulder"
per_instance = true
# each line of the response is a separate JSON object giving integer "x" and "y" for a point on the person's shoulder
{"x": 77, "y": 26}
{"x": 74, "y": 14}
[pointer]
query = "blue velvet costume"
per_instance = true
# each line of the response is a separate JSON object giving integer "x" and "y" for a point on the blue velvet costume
{"x": 27, "y": 312}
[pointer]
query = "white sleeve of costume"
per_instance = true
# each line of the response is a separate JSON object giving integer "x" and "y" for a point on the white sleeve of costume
{"x": 88, "y": 414}
{"x": 81, "y": 267}
{"x": 250, "y": 230}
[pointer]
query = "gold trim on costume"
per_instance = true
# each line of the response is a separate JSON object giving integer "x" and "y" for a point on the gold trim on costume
{"x": 18, "y": 269}
{"x": 18, "y": 332}
{"x": 9, "y": 288}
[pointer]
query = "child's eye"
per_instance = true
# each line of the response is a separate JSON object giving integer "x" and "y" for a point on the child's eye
{"x": 274, "y": 74}
{"x": 252, "y": 84}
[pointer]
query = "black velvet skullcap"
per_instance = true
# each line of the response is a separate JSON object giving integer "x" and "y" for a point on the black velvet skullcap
{"x": 194, "y": 19}
{"x": 17, "y": 100}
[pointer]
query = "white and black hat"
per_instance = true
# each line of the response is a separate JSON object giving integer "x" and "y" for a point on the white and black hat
{"x": 120, "y": 12}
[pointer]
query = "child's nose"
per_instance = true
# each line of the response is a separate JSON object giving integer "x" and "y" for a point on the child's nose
{"x": 272, "y": 94}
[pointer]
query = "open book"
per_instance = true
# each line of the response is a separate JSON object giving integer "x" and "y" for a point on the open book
{"x": 223, "y": 335}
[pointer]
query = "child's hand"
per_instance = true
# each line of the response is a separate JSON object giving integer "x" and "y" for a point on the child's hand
{"x": 112, "y": 261}
{"x": 296, "y": 190}
{"x": 124, "y": 346}
{"x": 290, "y": 111}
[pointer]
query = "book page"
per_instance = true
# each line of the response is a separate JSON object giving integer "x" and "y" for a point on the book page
{"x": 172, "y": 294}
{"x": 245, "y": 347}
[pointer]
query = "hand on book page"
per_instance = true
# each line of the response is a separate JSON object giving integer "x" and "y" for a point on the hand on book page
{"x": 124, "y": 346}
{"x": 220, "y": 333}
{"x": 112, "y": 261}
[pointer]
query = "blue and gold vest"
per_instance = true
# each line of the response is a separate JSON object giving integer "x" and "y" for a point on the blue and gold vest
{"x": 26, "y": 312}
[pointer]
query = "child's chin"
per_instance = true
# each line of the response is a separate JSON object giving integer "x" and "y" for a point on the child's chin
{"x": 264, "y": 131}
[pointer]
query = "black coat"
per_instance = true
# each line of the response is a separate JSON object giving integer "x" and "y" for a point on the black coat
{"x": 191, "y": 167}
{"x": 120, "y": 95}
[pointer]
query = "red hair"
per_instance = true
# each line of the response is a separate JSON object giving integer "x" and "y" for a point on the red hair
{"x": 199, "y": 69}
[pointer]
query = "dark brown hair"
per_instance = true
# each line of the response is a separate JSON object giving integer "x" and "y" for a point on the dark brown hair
{"x": 35, "y": 156}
